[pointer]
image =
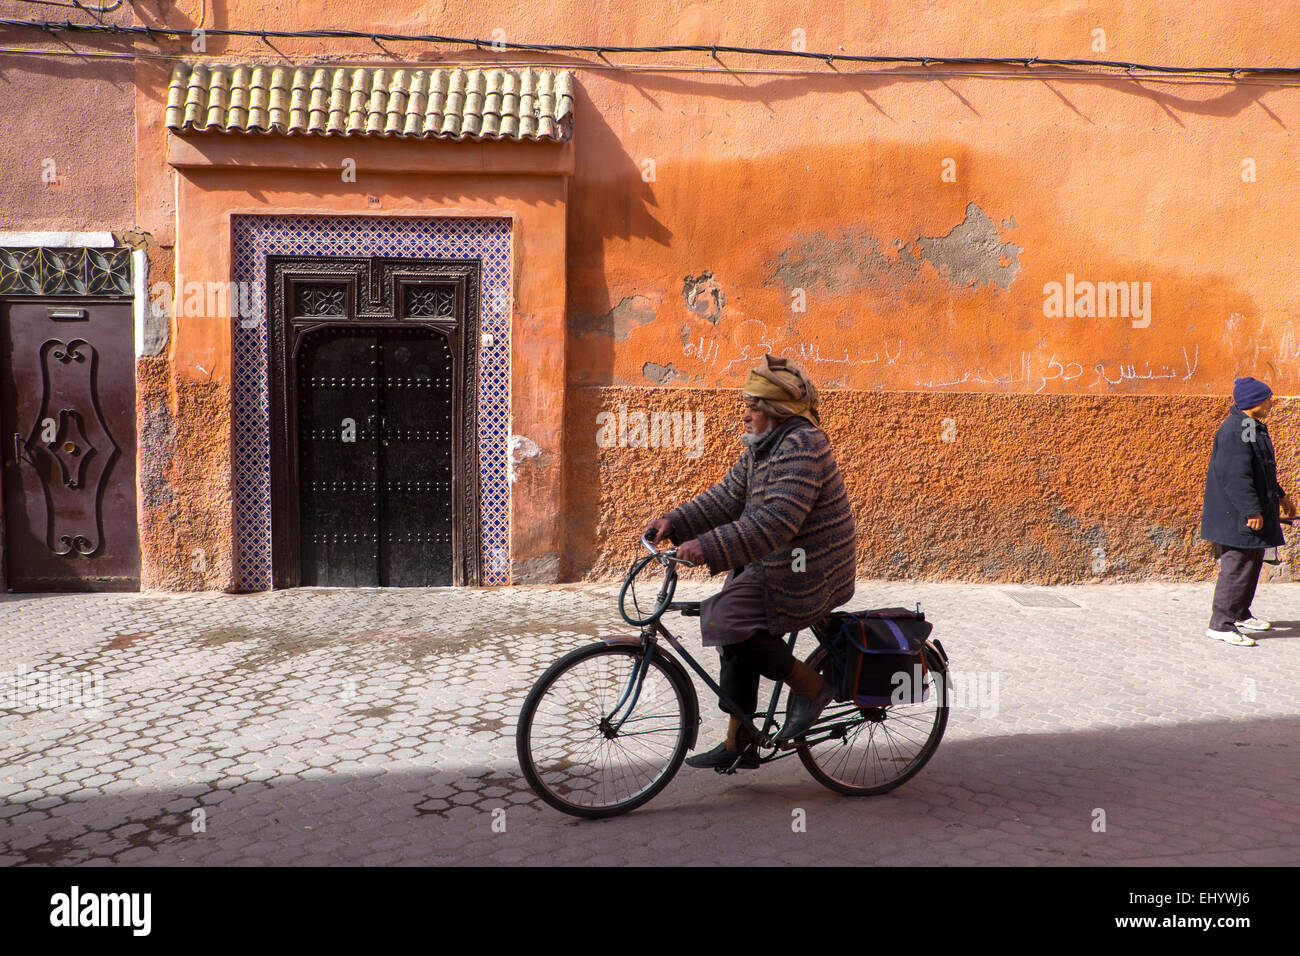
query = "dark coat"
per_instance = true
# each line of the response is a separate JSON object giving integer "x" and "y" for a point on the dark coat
{"x": 781, "y": 513}
{"x": 1242, "y": 481}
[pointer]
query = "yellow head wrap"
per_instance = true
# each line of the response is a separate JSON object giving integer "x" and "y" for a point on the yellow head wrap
{"x": 782, "y": 389}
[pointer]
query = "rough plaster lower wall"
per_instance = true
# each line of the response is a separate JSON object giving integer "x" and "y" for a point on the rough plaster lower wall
{"x": 186, "y": 533}
{"x": 1030, "y": 488}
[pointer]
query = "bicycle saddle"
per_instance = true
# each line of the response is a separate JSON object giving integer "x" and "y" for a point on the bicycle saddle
{"x": 687, "y": 608}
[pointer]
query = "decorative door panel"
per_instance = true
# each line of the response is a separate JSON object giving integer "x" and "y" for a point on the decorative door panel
{"x": 68, "y": 418}
{"x": 415, "y": 495}
{"x": 338, "y": 462}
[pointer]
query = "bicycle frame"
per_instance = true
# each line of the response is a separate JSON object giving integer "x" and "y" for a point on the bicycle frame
{"x": 833, "y": 726}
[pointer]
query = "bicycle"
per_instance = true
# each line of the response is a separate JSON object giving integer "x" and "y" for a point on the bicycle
{"x": 587, "y": 750}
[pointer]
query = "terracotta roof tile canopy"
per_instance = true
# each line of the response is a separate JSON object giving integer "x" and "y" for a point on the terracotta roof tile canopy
{"x": 491, "y": 104}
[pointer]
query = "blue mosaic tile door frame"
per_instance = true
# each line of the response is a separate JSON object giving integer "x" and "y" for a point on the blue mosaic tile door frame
{"x": 253, "y": 238}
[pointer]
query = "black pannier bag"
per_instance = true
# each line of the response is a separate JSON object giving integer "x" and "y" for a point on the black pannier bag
{"x": 877, "y": 658}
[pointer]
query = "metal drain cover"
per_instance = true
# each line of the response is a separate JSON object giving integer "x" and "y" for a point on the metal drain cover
{"x": 1033, "y": 598}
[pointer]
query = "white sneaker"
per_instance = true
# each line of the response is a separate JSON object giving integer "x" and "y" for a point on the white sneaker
{"x": 1236, "y": 638}
{"x": 1254, "y": 624}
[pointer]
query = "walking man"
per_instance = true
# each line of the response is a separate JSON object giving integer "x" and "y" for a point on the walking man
{"x": 1240, "y": 516}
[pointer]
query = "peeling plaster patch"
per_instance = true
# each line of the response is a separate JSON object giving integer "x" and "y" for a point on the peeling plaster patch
{"x": 1061, "y": 516}
{"x": 153, "y": 315}
{"x": 661, "y": 374}
{"x": 157, "y": 447}
{"x": 704, "y": 296}
{"x": 135, "y": 238}
{"x": 631, "y": 311}
{"x": 1095, "y": 537}
{"x": 1009, "y": 222}
{"x": 521, "y": 449}
{"x": 1164, "y": 538}
{"x": 543, "y": 569}
{"x": 826, "y": 261}
{"x": 973, "y": 253}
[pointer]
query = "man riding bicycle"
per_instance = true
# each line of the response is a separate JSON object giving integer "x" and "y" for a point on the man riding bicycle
{"x": 781, "y": 523}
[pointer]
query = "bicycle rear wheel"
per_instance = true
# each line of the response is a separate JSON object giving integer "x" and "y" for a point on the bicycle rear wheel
{"x": 872, "y": 750}
{"x": 570, "y": 753}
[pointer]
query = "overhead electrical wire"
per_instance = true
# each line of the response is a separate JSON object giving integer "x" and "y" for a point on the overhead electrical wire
{"x": 76, "y": 5}
{"x": 601, "y": 50}
{"x": 1039, "y": 74}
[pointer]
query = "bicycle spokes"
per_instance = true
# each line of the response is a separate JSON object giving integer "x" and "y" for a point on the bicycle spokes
{"x": 603, "y": 730}
{"x": 872, "y": 749}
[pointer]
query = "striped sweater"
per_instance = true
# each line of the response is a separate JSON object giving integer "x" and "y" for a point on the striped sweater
{"x": 785, "y": 493}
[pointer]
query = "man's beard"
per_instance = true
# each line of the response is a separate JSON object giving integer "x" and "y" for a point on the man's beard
{"x": 753, "y": 438}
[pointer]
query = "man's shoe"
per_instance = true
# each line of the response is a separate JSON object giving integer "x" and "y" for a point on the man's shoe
{"x": 724, "y": 754}
{"x": 1235, "y": 638}
{"x": 804, "y": 712}
{"x": 1254, "y": 624}
{"x": 720, "y": 758}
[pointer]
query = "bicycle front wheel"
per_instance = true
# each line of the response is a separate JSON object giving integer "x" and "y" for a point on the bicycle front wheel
{"x": 569, "y": 750}
{"x": 872, "y": 750}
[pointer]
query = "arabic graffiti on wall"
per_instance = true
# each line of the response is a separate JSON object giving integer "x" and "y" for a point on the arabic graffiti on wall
{"x": 809, "y": 355}
{"x": 1096, "y": 375}
{"x": 1031, "y": 371}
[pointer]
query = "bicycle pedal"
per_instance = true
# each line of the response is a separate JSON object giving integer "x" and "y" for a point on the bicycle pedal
{"x": 738, "y": 764}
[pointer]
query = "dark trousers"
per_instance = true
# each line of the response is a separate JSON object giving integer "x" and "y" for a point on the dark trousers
{"x": 763, "y": 654}
{"x": 1238, "y": 576}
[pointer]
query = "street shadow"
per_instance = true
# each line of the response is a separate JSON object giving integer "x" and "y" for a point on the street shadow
{"x": 1279, "y": 629}
{"x": 1116, "y": 796}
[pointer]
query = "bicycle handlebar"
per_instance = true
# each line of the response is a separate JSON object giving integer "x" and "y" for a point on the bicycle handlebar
{"x": 666, "y": 559}
{"x": 665, "y": 556}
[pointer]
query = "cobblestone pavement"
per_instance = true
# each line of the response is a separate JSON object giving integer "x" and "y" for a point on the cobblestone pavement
{"x": 377, "y": 727}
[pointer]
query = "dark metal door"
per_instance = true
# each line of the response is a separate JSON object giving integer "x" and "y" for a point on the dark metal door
{"x": 375, "y": 457}
{"x": 67, "y": 409}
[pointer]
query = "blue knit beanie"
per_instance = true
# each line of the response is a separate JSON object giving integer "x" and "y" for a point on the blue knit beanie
{"x": 1249, "y": 392}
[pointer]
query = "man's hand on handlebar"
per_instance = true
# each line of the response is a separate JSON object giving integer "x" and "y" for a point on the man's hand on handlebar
{"x": 691, "y": 551}
{"x": 659, "y": 528}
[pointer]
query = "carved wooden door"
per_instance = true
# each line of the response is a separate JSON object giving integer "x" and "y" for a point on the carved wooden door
{"x": 67, "y": 409}
{"x": 373, "y": 394}
{"x": 374, "y": 457}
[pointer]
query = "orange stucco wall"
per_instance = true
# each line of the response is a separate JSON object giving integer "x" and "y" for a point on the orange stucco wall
{"x": 1096, "y": 489}
{"x": 897, "y": 229}
{"x": 67, "y": 156}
